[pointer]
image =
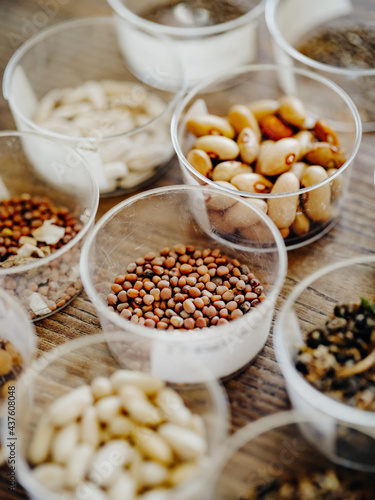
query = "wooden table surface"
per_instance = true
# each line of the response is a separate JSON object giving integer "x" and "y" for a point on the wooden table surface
{"x": 260, "y": 389}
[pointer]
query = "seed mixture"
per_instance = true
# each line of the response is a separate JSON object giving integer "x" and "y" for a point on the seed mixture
{"x": 325, "y": 485}
{"x": 339, "y": 356}
{"x": 271, "y": 146}
{"x": 100, "y": 109}
{"x": 126, "y": 436}
{"x": 193, "y": 13}
{"x": 184, "y": 288}
{"x": 10, "y": 366}
{"x": 32, "y": 227}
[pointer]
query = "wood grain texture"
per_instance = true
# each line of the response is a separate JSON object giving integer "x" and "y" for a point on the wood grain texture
{"x": 260, "y": 389}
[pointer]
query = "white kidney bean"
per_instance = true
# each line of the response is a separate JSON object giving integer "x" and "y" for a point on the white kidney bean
{"x": 185, "y": 443}
{"x": 282, "y": 211}
{"x": 108, "y": 460}
{"x": 154, "y": 446}
{"x": 120, "y": 426}
{"x": 263, "y": 107}
{"x": 241, "y": 117}
{"x": 182, "y": 473}
{"x": 69, "y": 407}
{"x": 317, "y": 202}
{"x": 218, "y": 147}
{"x": 89, "y": 491}
{"x": 226, "y": 170}
{"x": 152, "y": 474}
{"x": 292, "y": 110}
{"x": 278, "y": 157}
{"x": 207, "y": 124}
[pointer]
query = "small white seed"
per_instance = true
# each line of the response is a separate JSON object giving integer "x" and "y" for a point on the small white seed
{"x": 120, "y": 426}
{"x": 152, "y": 474}
{"x": 185, "y": 443}
{"x": 78, "y": 464}
{"x": 69, "y": 407}
{"x": 41, "y": 441}
{"x": 145, "y": 381}
{"x": 153, "y": 446}
{"x": 101, "y": 387}
{"x": 173, "y": 407}
{"x": 64, "y": 443}
{"x": 182, "y": 473}
{"x": 107, "y": 408}
{"x": 89, "y": 427}
{"x": 124, "y": 487}
{"x": 51, "y": 476}
{"x": 108, "y": 461}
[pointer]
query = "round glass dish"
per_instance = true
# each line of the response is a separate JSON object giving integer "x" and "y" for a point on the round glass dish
{"x": 187, "y": 215}
{"x": 208, "y": 37}
{"x": 15, "y": 328}
{"x": 39, "y": 166}
{"x": 322, "y": 98}
{"x": 116, "y": 115}
{"x": 310, "y": 305}
{"x": 344, "y": 30}
{"x": 77, "y": 363}
{"x": 275, "y": 457}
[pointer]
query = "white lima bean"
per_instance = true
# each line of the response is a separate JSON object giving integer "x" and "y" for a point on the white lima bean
{"x": 317, "y": 202}
{"x": 105, "y": 110}
{"x": 129, "y": 436}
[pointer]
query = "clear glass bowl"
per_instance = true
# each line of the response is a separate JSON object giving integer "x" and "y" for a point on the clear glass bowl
{"x": 322, "y": 99}
{"x": 16, "y": 328}
{"x": 292, "y": 22}
{"x": 127, "y": 146}
{"x": 187, "y": 215}
{"x": 278, "y": 449}
{"x": 38, "y": 165}
{"x": 309, "y": 305}
{"x": 206, "y": 39}
{"x": 77, "y": 363}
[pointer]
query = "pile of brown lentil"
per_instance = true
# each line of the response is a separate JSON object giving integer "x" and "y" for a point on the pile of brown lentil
{"x": 324, "y": 485}
{"x": 339, "y": 357}
{"x": 184, "y": 288}
{"x": 21, "y": 215}
{"x": 10, "y": 366}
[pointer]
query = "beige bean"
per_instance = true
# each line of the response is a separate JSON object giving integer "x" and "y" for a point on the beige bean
{"x": 226, "y": 184}
{"x": 144, "y": 381}
{"x": 252, "y": 183}
{"x": 153, "y": 446}
{"x": 249, "y": 145}
{"x": 301, "y": 224}
{"x": 292, "y": 110}
{"x": 298, "y": 169}
{"x": 101, "y": 387}
{"x": 278, "y": 158}
{"x": 41, "y": 441}
{"x": 317, "y": 201}
{"x": 78, "y": 464}
{"x": 337, "y": 184}
{"x": 283, "y": 210}
{"x": 51, "y": 476}
{"x": 185, "y": 443}
{"x": 263, "y": 107}
{"x": 173, "y": 407}
{"x": 305, "y": 139}
{"x": 89, "y": 491}
{"x": 152, "y": 474}
{"x": 218, "y": 147}
{"x": 108, "y": 461}
{"x": 326, "y": 155}
{"x": 107, "y": 408}
{"x": 219, "y": 201}
{"x": 89, "y": 427}
{"x": 69, "y": 407}
{"x": 64, "y": 443}
{"x": 285, "y": 232}
{"x": 240, "y": 217}
{"x": 210, "y": 125}
{"x": 200, "y": 160}
{"x": 226, "y": 170}
{"x": 197, "y": 423}
{"x": 325, "y": 133}
{"x": 156, "y": 494}
{"x": 124, "y": 486}
{"x": 241, "y": 117}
